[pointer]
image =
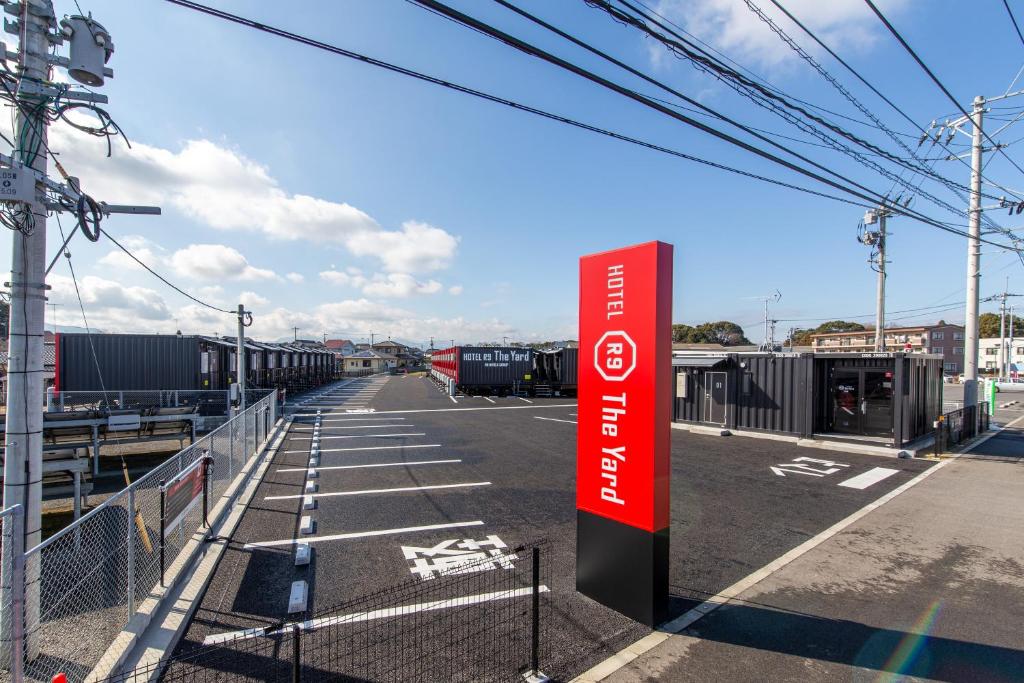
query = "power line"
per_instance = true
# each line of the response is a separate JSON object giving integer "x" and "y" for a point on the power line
{"x": 877, "y": 92}
{"x": 162, "y": 279}
{"x": 281, "y": 33}
{"x": 935, "y": 79}
{"x": 746, "y": 88}
{"x": 1014, "y": 20}
{"x": 532, "y": 50}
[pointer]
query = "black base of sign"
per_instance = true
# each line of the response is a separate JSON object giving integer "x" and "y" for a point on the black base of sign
{"x": 623, "y": 567}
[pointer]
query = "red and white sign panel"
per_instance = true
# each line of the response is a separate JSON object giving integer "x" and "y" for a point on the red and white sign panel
{"x": 182, "y": 493}
{"x": 625, "y": 391}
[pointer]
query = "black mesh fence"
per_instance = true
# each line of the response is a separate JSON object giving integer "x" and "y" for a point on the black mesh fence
{"x": 485, "y": 619}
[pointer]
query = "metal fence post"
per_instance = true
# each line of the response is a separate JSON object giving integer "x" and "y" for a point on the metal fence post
{"x": 131, "y": 551}
{"x": 296, "y": 653}
{"x": 535, "y": 640}
{"x": 163, "y": 508}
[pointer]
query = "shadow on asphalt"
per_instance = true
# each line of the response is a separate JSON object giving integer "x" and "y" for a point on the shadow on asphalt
{"x": 906, "y": 653}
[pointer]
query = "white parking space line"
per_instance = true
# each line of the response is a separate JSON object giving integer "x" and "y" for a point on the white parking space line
{"x": 490, "y": 399}
{"x": 376, "y": 464}
{"x": 403, "y": 425}
{"x": 361, "y": 534}
{"x": 552, "y": 419}
{"x": 363, "y": 492}
{"x": 370, "y": 436}
{"x": 370, "y": 448}
{"x": 387, "y": 613}
{"x": 523, "y": 399}
{"x": 469, "y": 410}
{"x": 866, "y": 479}
{"x": 355, "y": 419}
{"x": 453, "y": 399}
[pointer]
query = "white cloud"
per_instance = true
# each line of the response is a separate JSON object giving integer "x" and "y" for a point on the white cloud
{"x": 417, "y": 247}
{"x": 217, "y": 262}
{"x": 455, "y": 290}
{"x": 385, "y": 285}
{"x": 732, "y": 27}
{"x": 295, "y": 277}
{"x": 108, "y": 303}
{"x": 146, "y": 251}
{"x": 224, "y": 189}
{"x": 253, "y": 300}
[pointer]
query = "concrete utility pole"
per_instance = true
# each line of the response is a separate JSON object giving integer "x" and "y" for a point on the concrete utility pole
{"x": 295, "y": 331}
{"x": 244, "y": 320}
{"x": 876, "y": 240}
{"x": 973, "y": 260}
{"x": 23, "y": 464}
{"x": 1004, "y": 356}
{"x": 1009, "y": 349}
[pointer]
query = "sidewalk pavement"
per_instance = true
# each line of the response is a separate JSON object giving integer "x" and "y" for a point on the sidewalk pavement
{"x": 928, "y": 586}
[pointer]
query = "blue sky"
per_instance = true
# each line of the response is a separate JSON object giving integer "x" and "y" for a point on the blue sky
{"x": 339, "y": 198}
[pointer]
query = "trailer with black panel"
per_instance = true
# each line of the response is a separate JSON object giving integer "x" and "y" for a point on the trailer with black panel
{"x": 890, "y": 399}
{"x": 554, "y": 372}
{"x": 500, "y": 370}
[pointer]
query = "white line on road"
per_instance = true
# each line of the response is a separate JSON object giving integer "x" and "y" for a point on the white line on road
{"x": 358, "y": 419}
{"x": 551, "y": 419}
{"x": 368, "y": 427}
{"x": 490, "y": 399}
{"x": 469, "y": 410}
{"x": 360, "y": 534}
{"x": 370, "y": 436}
{"x": 866, "y": 479}
{"x": 386, "y": 613}
{"x": 453, "y": 399}
{"x": 523, "y": 399}
{"x": 370, "y": 448}
{"x": 362, "y": 492}
{"x": 376, "y": 464}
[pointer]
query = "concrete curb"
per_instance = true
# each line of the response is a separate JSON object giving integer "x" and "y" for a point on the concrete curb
{"x": 140, "y": 628}
{"x": 842, "y": 446}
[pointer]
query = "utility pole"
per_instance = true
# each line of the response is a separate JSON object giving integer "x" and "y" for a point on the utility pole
{"x": 244, "y": 321}
{"x": 23, "y": 464}
{"x": 1004, "y": 356}
{"x": 876, "y": 240}
{"x": 973, "y": 260}
{"x": 769, "y": 325}
{"x": 1009, "y": 351}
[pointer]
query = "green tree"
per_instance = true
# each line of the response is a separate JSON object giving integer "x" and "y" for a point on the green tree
{"x": 988, "y": 326}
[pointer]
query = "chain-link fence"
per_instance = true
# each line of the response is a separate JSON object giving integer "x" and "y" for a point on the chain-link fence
{"x": 483, "y": 620}
{"x": 84, "y": 583}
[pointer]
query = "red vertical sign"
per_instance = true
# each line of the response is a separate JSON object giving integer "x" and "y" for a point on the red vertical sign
{"x": 625, "y": 392}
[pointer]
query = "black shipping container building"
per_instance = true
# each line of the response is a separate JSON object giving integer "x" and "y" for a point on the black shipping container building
{"x": 142, "y": 362}
{"x": 486, "y": 369}
{"x": 887, "y": 398}
{"x": 555, "y": 371}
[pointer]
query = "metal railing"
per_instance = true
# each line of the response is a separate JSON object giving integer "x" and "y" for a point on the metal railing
{"x": 209, "y": 401}
{"x": 957, "y": 426}
{"x": 86, "y": 582}
{"x": 486, "y": 619}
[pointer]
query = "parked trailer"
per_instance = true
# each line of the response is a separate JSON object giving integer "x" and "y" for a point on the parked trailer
{"x": 485, "y": 369}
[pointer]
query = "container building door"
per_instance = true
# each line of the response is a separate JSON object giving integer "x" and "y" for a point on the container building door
{"x": 862, "y": 402}
{"x": 716, "y": 396}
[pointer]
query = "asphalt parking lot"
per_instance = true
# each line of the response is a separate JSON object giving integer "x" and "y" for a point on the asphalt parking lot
{"x": 422, "y": 470}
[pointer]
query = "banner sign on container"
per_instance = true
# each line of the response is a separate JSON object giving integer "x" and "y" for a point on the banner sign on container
{"x": 625, "y": 387}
